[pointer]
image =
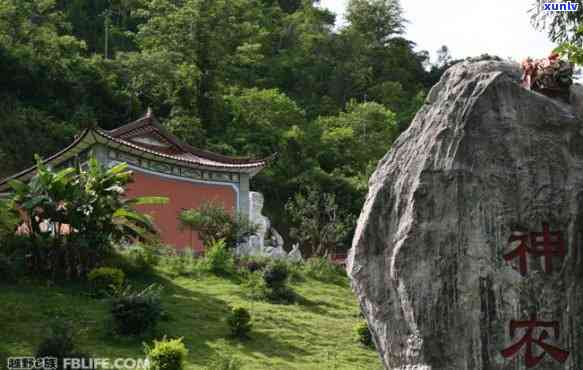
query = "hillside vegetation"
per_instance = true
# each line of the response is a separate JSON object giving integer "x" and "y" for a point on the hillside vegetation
{"x": 315, "y": 333}
{"x": 241, "y": 77}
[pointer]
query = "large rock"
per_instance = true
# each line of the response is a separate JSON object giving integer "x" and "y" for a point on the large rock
{"x": 483, "y": 160}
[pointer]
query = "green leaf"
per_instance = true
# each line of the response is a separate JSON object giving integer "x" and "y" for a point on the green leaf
{"x": 63, "y": 174}
{"x": 118, "y": 169}
{"x": 18, "y": 186}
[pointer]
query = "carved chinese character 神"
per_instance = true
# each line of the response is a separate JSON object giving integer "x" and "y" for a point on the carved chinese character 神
{"x": 547, "y": 244}
{"x": 527, "y": 341}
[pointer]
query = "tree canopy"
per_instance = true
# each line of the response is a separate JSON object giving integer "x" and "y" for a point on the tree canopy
{"x": 241, "y": 77}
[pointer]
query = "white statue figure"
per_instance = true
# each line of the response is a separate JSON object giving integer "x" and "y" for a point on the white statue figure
{"x": 266, "y": 241}
{"x": 256, "y": 202}
{"x": 295, "y": 255}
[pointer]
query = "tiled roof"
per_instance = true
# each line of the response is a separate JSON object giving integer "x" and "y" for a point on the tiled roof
{"x": 149, "y": 126}
{"x": 190, "y": 157}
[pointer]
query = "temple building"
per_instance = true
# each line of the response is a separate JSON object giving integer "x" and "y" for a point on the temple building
{"x": 162, "y": 166}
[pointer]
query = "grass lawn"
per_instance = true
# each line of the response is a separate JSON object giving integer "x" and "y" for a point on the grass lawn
{"x": 315, "y": 334}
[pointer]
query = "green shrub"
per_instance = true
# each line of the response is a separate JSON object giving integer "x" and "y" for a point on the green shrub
{"x": 362, "y": 333}
{"x": 135, "y": 313}
{"x": 296, "y": 272}
{"x": 322, "y": 269}
{"x": 255, "y": 287}
{"x": 224, "y": 362}
{"x": 143, "y": 257}
{"x": 106, "y": 280}
{"x": 283, "y": 294}
{"x": 60, "y": 341}
{"x": 59, "y": 344}
{"x": 275, "y": 275}
{"x": 270, "y": 284}
{"x": 218, "y": 259}
{"x": 183, "y": 264}
{"x": 253, "y": 263}
{"x": 167, "y": 354}
{"x": 239, "y": 322}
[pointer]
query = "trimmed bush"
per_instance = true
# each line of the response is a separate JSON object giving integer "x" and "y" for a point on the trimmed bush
{"x": 166, "y": 354}
{"x": 362, "y": 333}
{"x": 59, "y": 344}
{"x": 255, "y": 287}
{"x": 270, "y": 284}
{"x": 276, "y": 274}
{"x": 135, "y": 313}
{"x": 253, "y": 264}
{"x": 283, "y": 294}
{"x": 218, "y": 258}
{"x": 60, "y": 341}
{"x": 106, "y": 280}
{"x": 239, "y": 322}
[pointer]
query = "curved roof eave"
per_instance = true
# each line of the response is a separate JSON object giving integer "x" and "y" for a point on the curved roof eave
{"x": 92, "y": 136}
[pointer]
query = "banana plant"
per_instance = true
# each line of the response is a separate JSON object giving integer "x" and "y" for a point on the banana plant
{"x": 78, "y": 209}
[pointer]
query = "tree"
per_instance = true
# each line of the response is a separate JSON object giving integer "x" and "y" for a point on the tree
{"x": 380, "y": 20}
{"x": 214, "y": 223}
{"x": 241, "y": 77}
{"x": 318, "y": 224}
{"x": 49, "y": 88}
{"x": 354, "y": 139}
{"x": 564, "y": 28}
{"x": 261, "y": 120}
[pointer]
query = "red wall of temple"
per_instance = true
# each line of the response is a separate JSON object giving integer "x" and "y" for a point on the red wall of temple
{"x": 182, "y": 194}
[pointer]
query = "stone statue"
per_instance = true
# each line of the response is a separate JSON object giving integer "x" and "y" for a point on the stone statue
{"x": 295, "y": 255}
{"x": 267, "y": 241}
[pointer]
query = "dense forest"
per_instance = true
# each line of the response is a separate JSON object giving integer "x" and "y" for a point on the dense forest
{"x": 240, "y": 77}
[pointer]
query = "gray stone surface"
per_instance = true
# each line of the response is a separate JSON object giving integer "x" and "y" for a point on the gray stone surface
{"x": 483, "y": 159}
